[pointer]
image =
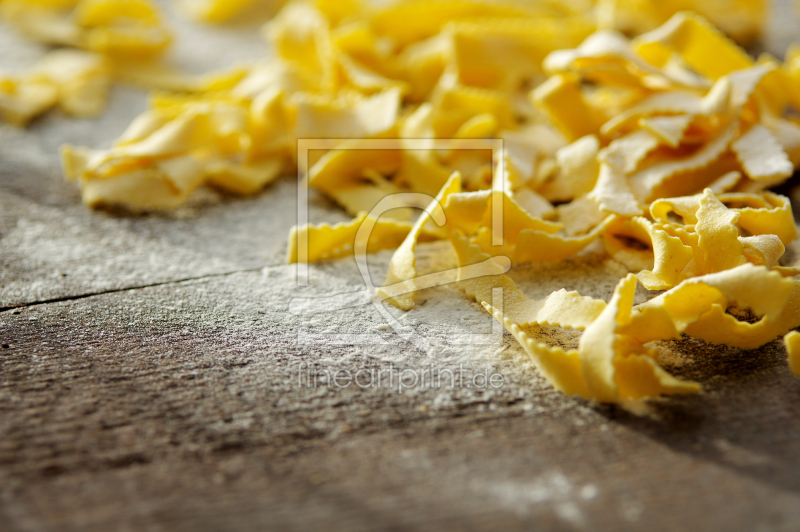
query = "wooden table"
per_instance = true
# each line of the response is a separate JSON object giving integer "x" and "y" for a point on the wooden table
{"x": 152, "y": 378}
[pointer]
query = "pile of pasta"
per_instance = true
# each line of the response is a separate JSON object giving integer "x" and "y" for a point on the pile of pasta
{"x": 100, "y": 39}
{"x": 661, "y": 147}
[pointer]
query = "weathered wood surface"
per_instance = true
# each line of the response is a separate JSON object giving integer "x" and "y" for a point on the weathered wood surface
{"x": 151, "y": 378}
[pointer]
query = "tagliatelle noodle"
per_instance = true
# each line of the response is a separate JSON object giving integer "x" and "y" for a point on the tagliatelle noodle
{"x": 403, "y": 264}
{"x": 766, "y": 293}
{"x": 725, "y": 183}
{"x": 669, "y": 129}
{"x": 762, "y": 250}
{"x": 561, "y": 99}
{"x": 773, "y": 216}
{"x": 741, "y": 19}
{"x": 561, "y": 308}
{"x": 718, "y": 235}
{"x": 758, "y": 214}
{"x": 535, "y": 204}
{"x": 608, "y": 358}
{"x": 539, "y": 246}
{"x": 578, "y": 170}
{"x": 335, "y": 241}
{"x": 331, "y": 119}
{"x": 521, "y": 154}
{"x": 761, "y": 155}
{"x": 215, "y": 11}
{"x": 612, "y": 191}
{"x": 344, "y": 166}
{"x": 22, "y": 100}
{"x": 792, "y": 342}
{"x": 708, "y": 240}
{"x": 606, "y": 57}
{"x": 514, "y": 220}
{"x": 122, "y": 28}
{"x": 641, "y": 377}
{"x": 75, "y": 81}
{"x": 579, "y": 216}
{"x": 416, "y": 20}
{"x": 525, "y": 42}
{"x": 163, "y": 185}
{"x": 559, "y": 366}
{"x": 665, "y": 103}
{"x": 692, "y": 37}
{"x": 647, "y": 179}
{"x": 663, "y": 261}
{"x": 111, "y": 33}
{"x": 202, "y": 137}
{"x": 630, "y": 150}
